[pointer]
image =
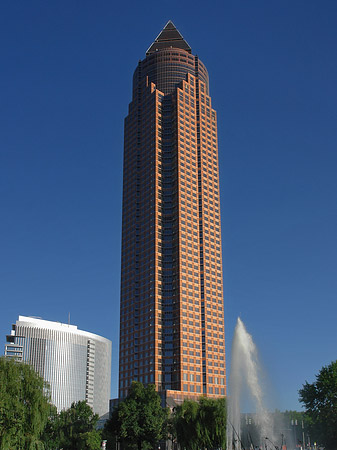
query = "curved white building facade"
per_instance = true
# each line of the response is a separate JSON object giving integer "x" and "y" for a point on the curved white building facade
{"x": 76, "y": 363}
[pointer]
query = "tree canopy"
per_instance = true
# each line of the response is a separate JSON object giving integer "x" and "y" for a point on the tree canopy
{"x": 24, "y": 406}
{"x": 185, "y": 424}
{"x": 74, "y": 429}
{"x": 201, "y": 424}
{"x": 320, "y": 401}
{"x": 140, "y": 419}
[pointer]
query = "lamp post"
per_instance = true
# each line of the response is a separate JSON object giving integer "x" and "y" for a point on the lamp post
{"x": 294, "y": 424}
{"x": 303, "y": 435}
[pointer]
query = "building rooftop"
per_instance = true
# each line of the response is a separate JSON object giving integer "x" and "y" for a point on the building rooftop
{"x": 36, "y": 322}
{"x": 169, "y": 37}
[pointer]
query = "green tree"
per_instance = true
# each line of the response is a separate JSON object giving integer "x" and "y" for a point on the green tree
{"x": 320, "y": 401}
{"x": 186, "y": 424}
{"x": 75, "y": 428}
{"x": 110, "y": 431}
{"x": 139, "y": 420}
{"x": 50, "y": 435}
{"x": 24, "y": 406}
{"x": 201, "y": 424}
{"x": 212, "y": 421}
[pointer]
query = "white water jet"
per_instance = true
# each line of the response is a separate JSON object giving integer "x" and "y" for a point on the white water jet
{"x": 245, "y": 377}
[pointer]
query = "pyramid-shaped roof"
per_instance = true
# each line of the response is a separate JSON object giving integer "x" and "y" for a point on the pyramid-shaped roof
{"x": 167, "y": 38}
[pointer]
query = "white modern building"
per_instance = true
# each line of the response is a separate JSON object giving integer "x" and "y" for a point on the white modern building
{"x": 75, "y": 363}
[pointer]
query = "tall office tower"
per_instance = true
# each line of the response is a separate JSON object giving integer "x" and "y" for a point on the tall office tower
{"x": 172, "y": 320}
{"x": 75, "y": 363}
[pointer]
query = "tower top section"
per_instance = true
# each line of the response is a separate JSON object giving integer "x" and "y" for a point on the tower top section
{"x": 169, "y": 37}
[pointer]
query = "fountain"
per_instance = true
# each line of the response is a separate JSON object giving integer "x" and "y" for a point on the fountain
{"x": 245, "y": 377}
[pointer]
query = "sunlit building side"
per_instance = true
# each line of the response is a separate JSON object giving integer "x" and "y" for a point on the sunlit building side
{"x": 172, "y": 312}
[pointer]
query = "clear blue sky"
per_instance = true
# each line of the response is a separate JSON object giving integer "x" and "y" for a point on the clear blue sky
{"x": 66, "y": 72}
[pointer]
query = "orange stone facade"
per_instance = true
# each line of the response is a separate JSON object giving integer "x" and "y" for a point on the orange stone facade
{"x": 172, "y": 314}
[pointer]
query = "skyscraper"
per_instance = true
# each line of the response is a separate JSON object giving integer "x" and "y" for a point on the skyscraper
{"x": 75, "y": 363}
{"x": 172, "y": 320}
